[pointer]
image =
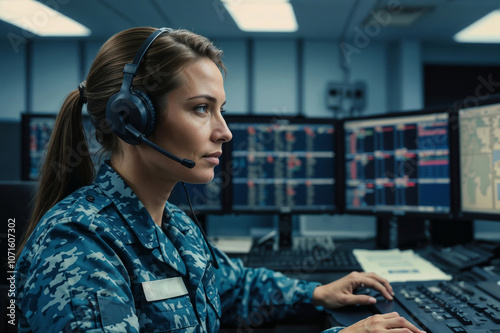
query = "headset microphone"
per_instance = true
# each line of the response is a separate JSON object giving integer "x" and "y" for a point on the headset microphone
{"x": 139, "y": 136}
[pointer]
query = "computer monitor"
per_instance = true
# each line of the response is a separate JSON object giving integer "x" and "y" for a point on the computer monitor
{"x": 479, "y": 151}
{"x": 282, "y": 165}
{"x": 398, "y": 164}
{"x": 35, "y": 135}
{"x": 36, "y": 129}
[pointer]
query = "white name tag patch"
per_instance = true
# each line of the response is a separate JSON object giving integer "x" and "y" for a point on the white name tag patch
{"x": 164, "y": 289}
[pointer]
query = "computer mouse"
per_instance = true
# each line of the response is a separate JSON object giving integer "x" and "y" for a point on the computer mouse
{"x": 370, "y": 292}
{"x": 363, "y": 291}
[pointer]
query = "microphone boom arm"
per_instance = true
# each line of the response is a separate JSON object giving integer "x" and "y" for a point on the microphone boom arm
{"x": 139, "y": 136}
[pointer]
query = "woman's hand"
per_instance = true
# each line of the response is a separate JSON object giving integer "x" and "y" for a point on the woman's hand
{"x": 340, "y": 293}
{"x": 381, "y": 323}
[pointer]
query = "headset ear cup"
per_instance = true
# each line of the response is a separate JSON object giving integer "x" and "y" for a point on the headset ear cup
{"x": 121, "y": 110}
{"x": 149, "y": 110}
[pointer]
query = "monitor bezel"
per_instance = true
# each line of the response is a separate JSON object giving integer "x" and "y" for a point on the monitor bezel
{"x": 271, "y": 119}
{"x": 387, "y": 213}
{"x": 478, "y": 102}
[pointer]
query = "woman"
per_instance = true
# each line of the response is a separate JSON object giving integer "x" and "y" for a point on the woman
{"x": 109, "y": 253}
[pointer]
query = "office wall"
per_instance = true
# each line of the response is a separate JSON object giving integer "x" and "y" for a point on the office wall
{"x": 13, "y": 92}
{"x": 236, "y": 82}
{"x": 264, "y": 76}
{"x": 464, "y": 54}
{"x": 55, "y": 70}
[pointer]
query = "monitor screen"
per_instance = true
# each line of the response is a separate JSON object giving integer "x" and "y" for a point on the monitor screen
{"x": 479, "y": 142}
{"x": 398, "y": 164}
{"x": 36, "y": 132}
{"x": 282, "y": 165}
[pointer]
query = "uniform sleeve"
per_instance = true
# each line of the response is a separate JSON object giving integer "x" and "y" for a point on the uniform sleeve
{"x": 249, "y": 294}
{"x": 333, "y": 330}
{"x": 70, "y": 280}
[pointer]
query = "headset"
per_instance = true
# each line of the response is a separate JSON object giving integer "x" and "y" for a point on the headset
{"x": 130, "y": 113}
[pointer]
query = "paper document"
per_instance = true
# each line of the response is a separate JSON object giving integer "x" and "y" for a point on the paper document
{"x": 233, "y": 244}
{"x": 399, "y": 266}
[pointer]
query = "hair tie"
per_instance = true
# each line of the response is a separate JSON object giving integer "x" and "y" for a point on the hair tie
{"x": 81, "y": 88}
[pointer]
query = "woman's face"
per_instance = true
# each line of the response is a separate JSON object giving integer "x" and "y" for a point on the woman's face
{"x": 192, "y": 126}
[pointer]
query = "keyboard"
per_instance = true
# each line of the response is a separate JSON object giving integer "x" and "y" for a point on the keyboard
{"x": 460, "y": 257}
{"x": 446, "y": 306}
{"x": 308, "y": 254}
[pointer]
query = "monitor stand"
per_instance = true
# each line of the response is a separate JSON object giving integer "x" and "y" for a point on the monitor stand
{"x": 415, "y": 232}
{"x": 285, "y": 226}
{"x": 451, "y": 232}
{"x": 281, "y": 237}
{"x": 401, "y": 232}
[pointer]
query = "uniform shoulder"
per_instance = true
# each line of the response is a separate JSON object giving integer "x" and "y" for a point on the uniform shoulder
{"x": 83, "y": 207}
{"x": 82, "y": 216}
{"x": 83, "y": 204}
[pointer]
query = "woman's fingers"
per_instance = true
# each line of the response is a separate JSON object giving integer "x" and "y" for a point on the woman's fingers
{"x": 378, "y": 283}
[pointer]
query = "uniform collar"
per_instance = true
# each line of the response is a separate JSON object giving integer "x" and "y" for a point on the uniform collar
{"x": 182, "y": 223}
{"x": 137, "y": 217}
{"x": 188, "y": 240}
{"x": 128, "y": 205}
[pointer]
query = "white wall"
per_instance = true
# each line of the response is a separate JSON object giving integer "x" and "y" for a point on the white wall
{"x": 235, "y": 60}
{"x": 472, "y": 54}
{"x": 56, "y": 71}
{"x": 322, "y": 64}
{"x": 13, "y": 81}
{"x": 275, "y": 77}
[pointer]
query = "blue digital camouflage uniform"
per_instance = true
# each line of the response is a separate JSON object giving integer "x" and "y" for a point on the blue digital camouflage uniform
{"x": 85, "y": 267}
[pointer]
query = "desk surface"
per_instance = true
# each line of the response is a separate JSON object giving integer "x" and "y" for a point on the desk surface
{"x": 349, "y": 315}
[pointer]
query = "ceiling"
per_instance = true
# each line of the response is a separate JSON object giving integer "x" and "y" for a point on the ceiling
{"x": 317, "y": 19}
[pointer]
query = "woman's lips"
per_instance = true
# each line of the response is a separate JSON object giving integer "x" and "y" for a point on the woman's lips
{"x": 213, "y": 158}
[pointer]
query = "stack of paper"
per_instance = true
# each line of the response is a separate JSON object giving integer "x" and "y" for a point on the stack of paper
{"x": 399, "y": 266}
{"x": 234, "y": 244}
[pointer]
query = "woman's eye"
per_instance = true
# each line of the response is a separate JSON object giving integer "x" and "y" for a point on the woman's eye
{"x": 201, "y": 108}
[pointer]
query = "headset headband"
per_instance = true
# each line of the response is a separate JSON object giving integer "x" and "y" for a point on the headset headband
{"x": 130, "y": 70}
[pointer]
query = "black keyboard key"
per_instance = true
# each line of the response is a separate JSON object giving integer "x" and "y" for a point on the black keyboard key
{"x": 307, "y": 255}
{"x": 456, "y": 328}
{"x": 464, "y": 320}
{"x": 493, "y": 315}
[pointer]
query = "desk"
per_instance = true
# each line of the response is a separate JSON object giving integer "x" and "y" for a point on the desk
{"x": 305, "y": 269}
{"x": 436, "y": 305}
{"x": 322, "y": 320}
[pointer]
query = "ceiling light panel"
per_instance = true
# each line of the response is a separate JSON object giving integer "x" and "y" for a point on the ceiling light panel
{"x": 262, "y": 15}
{"x": 484, "y": 30}
{"x": 40, "y": 19}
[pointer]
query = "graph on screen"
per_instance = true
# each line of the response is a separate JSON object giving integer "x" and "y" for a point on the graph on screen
{"x": 398, "y": 164}
{"x": 285, "y": 166}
